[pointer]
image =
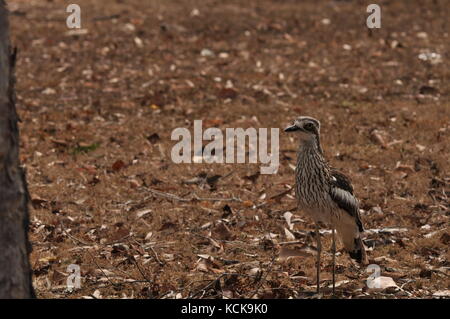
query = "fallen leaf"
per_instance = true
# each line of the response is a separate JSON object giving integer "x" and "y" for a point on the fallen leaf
{"x": 286, "y": 252}
{"x": 148, "y": 236}
{"x": 143, "y": 212}
{"x": 442, "y": 293}
{"x": 221, "y": 232}
{"x": 287, "y": 216}
{"x": 247, "y": 203}
{"x": 288, "y": 234}
{"x": 227, "y": 93}
{"x": 381, "y": 282}
{"x": 118, "y": 165}
{"x": 168, "y": 257}
{"x": 377, "y": 136}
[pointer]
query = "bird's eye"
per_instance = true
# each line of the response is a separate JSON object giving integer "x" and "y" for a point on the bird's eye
{"x": 309, "y": 126}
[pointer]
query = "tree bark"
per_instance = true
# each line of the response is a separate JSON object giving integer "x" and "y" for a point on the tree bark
{"x": 15, "y": 271}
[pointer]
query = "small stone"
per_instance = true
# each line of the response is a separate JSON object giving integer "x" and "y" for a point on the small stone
{"x": 347, "y": 47}
{"x": 49, "y": 91}
{"x": 422, "y": 35}
{"x": 207, "y": 53}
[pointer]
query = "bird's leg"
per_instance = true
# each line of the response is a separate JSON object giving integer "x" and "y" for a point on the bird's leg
{"x": 319, "y": 250}
{"x": 333, "y": 247}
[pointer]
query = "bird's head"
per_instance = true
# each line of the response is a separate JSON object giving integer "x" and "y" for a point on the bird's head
{"x": 307, "y": 128}
{"x": 305, "y": 125}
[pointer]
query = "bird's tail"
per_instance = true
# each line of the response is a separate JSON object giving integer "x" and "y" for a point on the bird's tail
{"x": 358, "y": 252}
{"x": 353, "y": 244}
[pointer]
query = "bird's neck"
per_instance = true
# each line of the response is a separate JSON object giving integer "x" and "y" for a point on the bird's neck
{"x": 311, "y": 146}
{"x": 310, "y": 154}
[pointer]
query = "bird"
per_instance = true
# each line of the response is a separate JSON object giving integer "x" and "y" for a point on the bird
{"x": 326, "y": 195}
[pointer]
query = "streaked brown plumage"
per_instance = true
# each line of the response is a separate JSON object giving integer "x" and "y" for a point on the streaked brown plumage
{"x": 325, "y": 194}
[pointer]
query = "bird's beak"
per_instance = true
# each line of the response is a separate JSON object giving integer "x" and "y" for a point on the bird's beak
{"x": 291, "y": 128}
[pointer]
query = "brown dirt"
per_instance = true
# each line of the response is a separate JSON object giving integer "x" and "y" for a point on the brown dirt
{"x": 91, "y": 105}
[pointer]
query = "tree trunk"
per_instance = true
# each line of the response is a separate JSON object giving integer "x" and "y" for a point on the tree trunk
{"x": 15, "y": 271}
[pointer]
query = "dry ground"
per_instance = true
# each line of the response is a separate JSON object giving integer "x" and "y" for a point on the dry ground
{"x": 98, "y": 109}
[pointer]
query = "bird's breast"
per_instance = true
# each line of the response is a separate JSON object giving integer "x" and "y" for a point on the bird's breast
{"x": 312, "y": 193}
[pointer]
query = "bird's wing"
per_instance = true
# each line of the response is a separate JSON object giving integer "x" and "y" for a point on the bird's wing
{"x": 341, "y": 193}
{"x": 341, "y": 181}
